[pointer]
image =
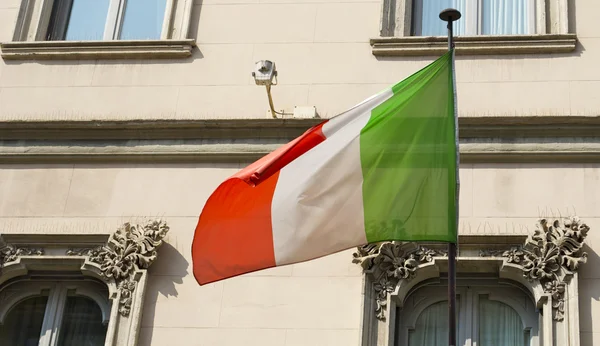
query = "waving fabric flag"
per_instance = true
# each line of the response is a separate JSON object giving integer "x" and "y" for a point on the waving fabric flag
{"x": 383, "y": 170}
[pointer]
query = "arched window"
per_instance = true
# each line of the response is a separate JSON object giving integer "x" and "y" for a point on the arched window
{"x": 54, "y": 313}
{"x": 487, "y": 315}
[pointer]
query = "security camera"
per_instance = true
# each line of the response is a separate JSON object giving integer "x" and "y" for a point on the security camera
{"x": 264, "y": 72}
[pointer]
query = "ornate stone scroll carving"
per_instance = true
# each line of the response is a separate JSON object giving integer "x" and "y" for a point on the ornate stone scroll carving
{"x": 131, "y": 247}
{"x": 549, "y": 255}
{"x": 390, "y": 262}
{"x": 10, "y": 253}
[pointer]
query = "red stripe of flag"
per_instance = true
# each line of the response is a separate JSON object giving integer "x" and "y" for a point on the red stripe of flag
{"x": 234, "y": 233}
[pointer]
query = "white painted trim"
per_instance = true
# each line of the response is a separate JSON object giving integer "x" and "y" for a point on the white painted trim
{"x": 167, "y": 19}
{"x": 110, "y": 28}
{"x": 540, "y": 16}
{"x": 468, "y": 330}
{"x": 39, "y": 19}
{"x": 57, "y": 313}
{"x": 184, "y": 27}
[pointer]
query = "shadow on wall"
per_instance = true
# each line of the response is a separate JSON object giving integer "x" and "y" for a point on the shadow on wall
{"x": 589, "y": 294}
{"x": 161, "y": 283}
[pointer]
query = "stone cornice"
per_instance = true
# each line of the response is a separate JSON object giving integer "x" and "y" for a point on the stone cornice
{"x": 117, "y": 49}
{"x": 155, "y": 129}
{"x": 474, "y": 45}
{"x": 483, "y": 140}
{"x": 470, "y": 127}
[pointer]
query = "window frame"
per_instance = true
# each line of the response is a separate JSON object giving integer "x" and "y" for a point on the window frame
{"x": 58, "y": 292}
{"x": 57, "y": 22}
{"x": 552, "y": 34}
{"x": 468, "y": 295}
{"x": 113, "y": 24}
{"x": 53, "y": 256}
{"x": 393, "y": 269}
{"x": 401, "y": 24}
{"x": 30, "y": 36}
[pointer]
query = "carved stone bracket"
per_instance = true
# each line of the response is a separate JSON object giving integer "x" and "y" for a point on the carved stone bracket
{"x": 549, "y": 256}
{"x": 10, "y": 253}
{"x": 390, "y": 262}
{"x": 129, "y": 248}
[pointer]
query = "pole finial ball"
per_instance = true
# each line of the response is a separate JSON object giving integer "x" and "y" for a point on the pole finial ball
{"x": 450, "y": 15}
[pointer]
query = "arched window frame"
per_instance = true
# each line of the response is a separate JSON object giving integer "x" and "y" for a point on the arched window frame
{"x": 104, "y": 257}
{"x": 16, "y": 291}
{"x": 393, "y": 269}
{"x": 469, "y": 291}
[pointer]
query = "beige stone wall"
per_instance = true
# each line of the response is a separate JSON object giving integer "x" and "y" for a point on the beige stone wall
{"x": 312, "y": 303}
{"x": 324, "y": 58}
{"x": 323, "y": 55}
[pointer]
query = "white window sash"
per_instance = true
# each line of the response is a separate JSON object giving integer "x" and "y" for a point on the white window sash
{"x": 114, "y": 19}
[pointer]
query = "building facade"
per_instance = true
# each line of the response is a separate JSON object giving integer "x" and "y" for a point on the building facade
{"x": 119, "y": 118}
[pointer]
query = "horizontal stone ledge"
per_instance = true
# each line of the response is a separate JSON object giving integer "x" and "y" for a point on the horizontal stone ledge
{"x": 37, "y": 239}
{"x": 199, "y": 152}
{"x": 156, "y": 129}
{"x": 474, "y": 45}
{"x": 116, "y": 49}
{"x": 469, "y": 127}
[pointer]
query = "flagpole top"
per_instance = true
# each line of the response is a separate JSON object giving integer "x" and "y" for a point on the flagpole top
{"x": 450, "y": 15}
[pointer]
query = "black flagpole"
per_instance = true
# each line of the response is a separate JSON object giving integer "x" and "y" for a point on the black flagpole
{"x": 450, "y": 15}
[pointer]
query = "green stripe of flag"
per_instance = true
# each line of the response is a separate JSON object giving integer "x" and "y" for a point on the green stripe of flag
{"x": 408, "y": 159}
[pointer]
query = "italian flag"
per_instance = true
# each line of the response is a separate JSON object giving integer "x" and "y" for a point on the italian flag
{"x": 383, "y": 170}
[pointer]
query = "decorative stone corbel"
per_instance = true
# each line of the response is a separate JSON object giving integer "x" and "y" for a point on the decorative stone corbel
{"x": 550, "y": 255}
{"x": 10, "y": 253}
{"x": 129, "y": 249}
{"x": 120, "y": 259}
{"x": 545, "y": 263}
{"x": 390, "y": 262}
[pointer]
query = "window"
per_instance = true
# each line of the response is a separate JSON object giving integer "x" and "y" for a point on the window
{"x": 413, "y": 27}
{"x": 479, "y": 17}
{"x": 62, "y": 313}
{"x": 76, "y": 289}
{"x": 101, "y": 29}
{"x": 83, "y": 20}
{"x": 487, "y": 315}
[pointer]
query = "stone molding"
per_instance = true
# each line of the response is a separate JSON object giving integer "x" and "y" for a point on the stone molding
{"x": 120, "y": 260}
{"x": 30, "y": 35}
{"x": 80, "y": 50}
{"x": 545, "y": 264}
{"x": 540, "y": 139}
{"x": 390, "y": 262}
{"x": 550, "y": 256}
{"x": 161, "y": 129}
{"x": 474, "y": 45}
{"x": 10, "y": 253}
{"x": 65, "y": 152}
{"x": 129, "y": 248}
{"x": 551, "y": 25}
